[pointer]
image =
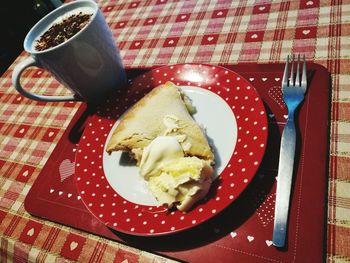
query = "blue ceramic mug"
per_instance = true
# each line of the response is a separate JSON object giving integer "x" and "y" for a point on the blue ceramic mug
{"x": 89, "y": 63}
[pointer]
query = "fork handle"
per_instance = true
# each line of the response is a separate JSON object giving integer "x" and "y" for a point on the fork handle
{"x": 284, "y": 182}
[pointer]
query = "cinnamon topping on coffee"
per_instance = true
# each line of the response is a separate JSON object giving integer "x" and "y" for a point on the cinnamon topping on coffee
{"x": 60, "y": 32}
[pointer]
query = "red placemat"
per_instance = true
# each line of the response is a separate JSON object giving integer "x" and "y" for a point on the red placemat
{"x": 243, "y": 231}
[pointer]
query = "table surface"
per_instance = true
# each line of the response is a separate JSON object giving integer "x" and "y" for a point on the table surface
{"x": 161, "y": 32}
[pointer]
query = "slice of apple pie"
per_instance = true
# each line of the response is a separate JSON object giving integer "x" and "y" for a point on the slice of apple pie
{"x": 170, "y": 148}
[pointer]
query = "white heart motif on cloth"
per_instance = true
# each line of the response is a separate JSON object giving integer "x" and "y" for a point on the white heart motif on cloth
{"x": 254, "y": 36}
{"x": 233, "y": 234}
{"x": 250, "y": 238}
{"x": 73, "y": 245}
{"x": 306, "y": 31}
{"x": 171, "y": 42}
{"x": 309, "y": 3}
{"x": 268, "y": 242}
{"x": 210, "y": 38}
{"x": 66, "y": 169}
{"x": 261, "y": 8}
{"x": 30, "y": 232}
{"x": 25, "y": 173}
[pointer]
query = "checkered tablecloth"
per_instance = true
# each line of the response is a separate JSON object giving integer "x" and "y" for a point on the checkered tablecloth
{"x": 159, "y": 32}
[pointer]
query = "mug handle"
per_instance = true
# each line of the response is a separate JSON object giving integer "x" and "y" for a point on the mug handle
{"x": 16, "y": 77}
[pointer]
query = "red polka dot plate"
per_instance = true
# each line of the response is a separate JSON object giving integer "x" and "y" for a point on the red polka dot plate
{"x": 233, "y": 115}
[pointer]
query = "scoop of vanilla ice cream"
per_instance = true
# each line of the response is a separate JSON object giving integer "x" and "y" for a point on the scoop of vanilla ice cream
{"x": 158, "y": 153}
{"x": 172, "y": 178}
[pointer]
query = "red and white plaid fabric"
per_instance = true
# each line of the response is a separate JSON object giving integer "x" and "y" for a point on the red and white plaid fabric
{"x": 159, "y": 32}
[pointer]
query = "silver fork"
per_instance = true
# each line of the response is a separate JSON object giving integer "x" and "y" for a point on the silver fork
{"x": 293, "y": 94}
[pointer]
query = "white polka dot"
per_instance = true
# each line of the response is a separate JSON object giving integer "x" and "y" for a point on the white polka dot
{"x": 213, "y": 211}
{"x": 151, "y": 231}
{"x": 255, "y": 163}
{"x": 115, "y": 224}
{"x": 113, "y": 214}
{"x": 100, "y": 215}
{"x": 243, "y": 169}
{"x": 245, "y": 180}
{"x": 194, "y": 221}
{"x": 172, "y": 228}
{"x": 144, "y": 222}
{"x": 262, "y": 145}
{"x": 251, "y": 153}
{"x": 128, "y": 220}
{"x": 231, "y": 197}
{"x": 200, "y": 209}
{"x": 102, "y": 205}
{"x": 163, "y": 222}
{"x": 125, "y": 210}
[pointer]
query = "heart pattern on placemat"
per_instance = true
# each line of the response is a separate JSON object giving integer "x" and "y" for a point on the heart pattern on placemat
{"x": 66, "y": 169}
{"x": 275, "y": 93}
{"x": 265, "y": 212}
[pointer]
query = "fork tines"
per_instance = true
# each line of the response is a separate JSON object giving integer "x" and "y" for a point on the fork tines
{"x": 299, "y": 80}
